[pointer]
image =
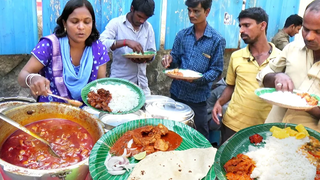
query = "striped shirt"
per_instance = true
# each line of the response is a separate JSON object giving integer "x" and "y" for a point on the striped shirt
{"x": 188, "y": 53}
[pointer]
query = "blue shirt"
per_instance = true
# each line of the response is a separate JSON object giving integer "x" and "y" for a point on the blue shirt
{"x": 187, "y": 53}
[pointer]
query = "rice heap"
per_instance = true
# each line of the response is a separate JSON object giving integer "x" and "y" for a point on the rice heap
{"x": 123, "y": 98}
{"x": 190, "y": 73}
{"x": 286, "y": 97}
{"x": 280, "y": 159}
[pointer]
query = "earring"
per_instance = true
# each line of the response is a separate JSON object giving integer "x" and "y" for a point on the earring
{"x": 65, "y": 29}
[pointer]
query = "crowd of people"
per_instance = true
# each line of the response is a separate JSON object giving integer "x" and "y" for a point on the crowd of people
{"x": 76, "y": 54}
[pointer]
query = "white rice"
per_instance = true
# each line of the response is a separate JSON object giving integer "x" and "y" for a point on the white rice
{"x": 123, "y": 98}
{"x": 279, "y": 159}
{"x": 286, "y": 97}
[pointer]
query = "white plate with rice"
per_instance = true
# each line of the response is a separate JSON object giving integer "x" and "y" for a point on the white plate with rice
{"x": 126, "y": 96}
{"x": 185, "y": 74}
{"x": 288, "y": 100}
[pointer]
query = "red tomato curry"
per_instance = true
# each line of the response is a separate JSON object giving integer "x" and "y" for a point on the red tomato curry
{"x": 70, "y": 141}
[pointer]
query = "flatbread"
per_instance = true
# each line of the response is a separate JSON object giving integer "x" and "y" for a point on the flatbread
{"x": 189, "y": 164}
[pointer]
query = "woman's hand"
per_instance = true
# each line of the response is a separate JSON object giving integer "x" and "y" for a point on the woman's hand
{"x": 39, "y": 86}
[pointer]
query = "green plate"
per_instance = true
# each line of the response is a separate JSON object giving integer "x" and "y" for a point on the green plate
{"x": 240, "y": 141}
{"x": 191, "y": 139}
{"x": 113, "y": 81}
{"x": 262, "y": 91}
{"x": 146, "y": 54}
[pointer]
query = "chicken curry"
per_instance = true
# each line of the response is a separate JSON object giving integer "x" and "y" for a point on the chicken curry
{"x": 147, "y": 138}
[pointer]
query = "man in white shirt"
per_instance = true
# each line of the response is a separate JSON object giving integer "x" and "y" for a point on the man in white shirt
{"x": 131, "y": 33}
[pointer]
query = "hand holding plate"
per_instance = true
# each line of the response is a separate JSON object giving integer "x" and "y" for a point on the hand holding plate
{"x": 283, "y": 82}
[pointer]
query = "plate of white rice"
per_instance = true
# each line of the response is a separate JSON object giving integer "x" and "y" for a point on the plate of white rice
{"x": 285, "y": 99}
{"x": 126, "y": 96}
{"x": 187, "y": 74}
{"x": 274, "y": 158}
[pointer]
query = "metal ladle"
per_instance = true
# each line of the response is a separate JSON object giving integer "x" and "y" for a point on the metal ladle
{"x": 19, "y": 126}
{"x": 70, "y": 101}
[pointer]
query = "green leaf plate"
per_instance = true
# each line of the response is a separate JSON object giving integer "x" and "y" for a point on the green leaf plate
{"x": 146, "y": 54}
{"x": 191, "y": 139}
{"x": 239, "y": 143}
{"x": 262, "y": 91}
{"x": 114, "y": 81}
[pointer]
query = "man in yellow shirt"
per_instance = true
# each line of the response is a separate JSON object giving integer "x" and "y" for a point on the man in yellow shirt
{"x": 245, "y": 108}
{"x": 297, "y": 68}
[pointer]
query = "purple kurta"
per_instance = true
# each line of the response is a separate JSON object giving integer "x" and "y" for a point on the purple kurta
{"x": 43, "y": 52}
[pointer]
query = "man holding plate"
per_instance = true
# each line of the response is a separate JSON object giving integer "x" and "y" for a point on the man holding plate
{"x": 131, "y": 33}
{"x": 297, "y": 67}
{"x": 199, "y": 48}
{"x": 245, "y": 108}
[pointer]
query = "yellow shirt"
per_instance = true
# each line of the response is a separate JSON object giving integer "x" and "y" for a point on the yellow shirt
{"x": 295, "y": 60}
{"x": 245, "y": 108}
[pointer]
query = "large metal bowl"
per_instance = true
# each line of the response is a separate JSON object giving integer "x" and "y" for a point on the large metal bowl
{"x": 39, "y": 111}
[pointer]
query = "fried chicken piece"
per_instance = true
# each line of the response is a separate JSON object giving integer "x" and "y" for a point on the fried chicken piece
{"x": 149, "y": 149}
{"x": 161, "y": 129}
{"x": 238, "y": 176}
{"x": 146, "y": 129}
{"x": 161, "y": 144}
{"x": 144, "y": 137}
{"x": 240, "y": 163}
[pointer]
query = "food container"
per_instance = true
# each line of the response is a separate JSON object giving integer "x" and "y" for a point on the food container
{"x": 11, "y": 102}
{"x": 157, "y": 98}
{"x": 91, "y": 111}
{"x": 112, "y": 120}
{"x": 33, "y": 112}
{"x": 171, "y": 110}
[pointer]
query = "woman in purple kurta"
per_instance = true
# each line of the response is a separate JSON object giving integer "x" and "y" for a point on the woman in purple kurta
{"x": 64, "y": 62}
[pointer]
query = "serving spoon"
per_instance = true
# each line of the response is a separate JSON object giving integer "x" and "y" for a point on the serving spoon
{"x": 70, "y": 101}
{"x": 19, "y": 126}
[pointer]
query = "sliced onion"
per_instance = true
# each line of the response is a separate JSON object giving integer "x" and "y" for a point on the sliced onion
{"x": 118, "y": 165}
{"x": 130, "y": 143}
{"x": 116, "y": 172}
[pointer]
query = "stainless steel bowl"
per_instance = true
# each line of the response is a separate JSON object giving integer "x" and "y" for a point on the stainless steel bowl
{"x": 171, "y": 110}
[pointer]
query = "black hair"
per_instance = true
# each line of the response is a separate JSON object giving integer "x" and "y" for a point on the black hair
{"x": 256, "y": 13}
{"x": 205, "y": 4}
{"x": 314, "y": 6}
{"x": 294, "y": 19}
{"x": 145, "y": 6}
{"x": 68, "y": 9}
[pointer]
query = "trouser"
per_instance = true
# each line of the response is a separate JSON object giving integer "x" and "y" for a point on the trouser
{"x": 226, "y": 133}
{"x": 200, "y": 115}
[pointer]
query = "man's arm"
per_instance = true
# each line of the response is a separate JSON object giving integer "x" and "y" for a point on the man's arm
{"x": 315, "y": 112}
{"x": 225, "y": 97}
{"x": 108, "y": 36}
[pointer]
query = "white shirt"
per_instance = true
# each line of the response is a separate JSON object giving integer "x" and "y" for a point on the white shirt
{"x": 118, "y": 29}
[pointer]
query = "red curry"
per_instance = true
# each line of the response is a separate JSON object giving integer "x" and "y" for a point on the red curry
{"x": 70, "y": 141}
{"x": 147, "y": 138}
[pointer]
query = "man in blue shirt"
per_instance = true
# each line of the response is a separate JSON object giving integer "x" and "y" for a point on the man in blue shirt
{"x": 199, "y": 48}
